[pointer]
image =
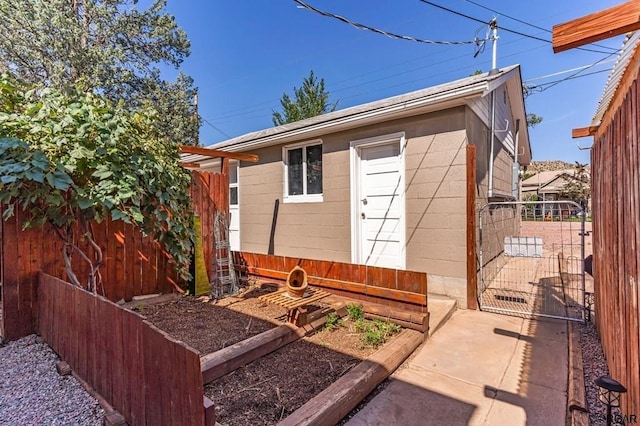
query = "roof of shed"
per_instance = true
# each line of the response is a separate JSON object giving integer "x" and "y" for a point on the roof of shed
{"x": 434, "y": 98}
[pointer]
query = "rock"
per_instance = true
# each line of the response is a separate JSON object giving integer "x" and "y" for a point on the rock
{"x": 63, "y": 368}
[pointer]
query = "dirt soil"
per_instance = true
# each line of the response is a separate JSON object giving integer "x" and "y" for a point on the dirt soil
{"x": 269, "y": 389}
{"x": 208, "y": 326}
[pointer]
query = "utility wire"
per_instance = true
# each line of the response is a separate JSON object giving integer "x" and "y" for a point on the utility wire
{"x": 571, "y": 77}
{"x": 269, "y": 105}
{"x": 216, "y": 128}
{"x": 533, "y": 90}
{"x": 583, "y": 67}
{"x": 529, "y": 24}
{"x": 501, "y": 27}
{"x": 378, "y": 31}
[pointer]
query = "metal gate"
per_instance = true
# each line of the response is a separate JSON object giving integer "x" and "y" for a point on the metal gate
{"x": 531, "y": 257}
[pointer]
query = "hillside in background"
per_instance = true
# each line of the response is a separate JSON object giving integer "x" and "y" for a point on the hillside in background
{"x": 550, "y": 165}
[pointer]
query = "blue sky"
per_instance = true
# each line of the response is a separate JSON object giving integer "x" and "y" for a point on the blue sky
{"x": 247, "y": 53}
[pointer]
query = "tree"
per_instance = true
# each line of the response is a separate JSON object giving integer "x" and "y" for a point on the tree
{"x": 310, "y": 100}
{"x": 111, "y": 46}
{"x": 578, "y": 188}
{"x": 533, "y": 120}
{"x": 75, "y": 158}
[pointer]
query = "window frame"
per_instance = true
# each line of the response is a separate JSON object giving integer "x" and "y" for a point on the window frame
{"x": 236, "y": 165}
{"x": 301, "y": 198}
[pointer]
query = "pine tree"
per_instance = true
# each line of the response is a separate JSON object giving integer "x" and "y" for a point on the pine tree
{"x": 310, "y": 100}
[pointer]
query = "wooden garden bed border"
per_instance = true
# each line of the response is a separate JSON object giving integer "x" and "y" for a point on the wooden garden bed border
{"x": 226, "y": 360}
{"x": 340, "y": 398}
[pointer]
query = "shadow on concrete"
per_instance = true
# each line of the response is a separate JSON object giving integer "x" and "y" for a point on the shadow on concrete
{"x": 540, "y": 372}
{"x": 412, "y": 404}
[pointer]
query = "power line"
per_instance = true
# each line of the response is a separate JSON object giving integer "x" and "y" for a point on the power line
{"x": 501, "y": 27}
{"x": 575, "y": 74}
{"x": 571, "y": 78}
{"x": 533, "y": 90}
{"x": 240, "y": 115}
{"x": 583, "y": 67}
{"x": 216, "y": 128}
{"x": 378, "y": 31}
{"x": 250, "y": 110}
{"x": 539, "y": 88}
{"x": 528, "y": 23}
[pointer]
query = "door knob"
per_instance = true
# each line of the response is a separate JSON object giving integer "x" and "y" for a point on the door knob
{"x": 362, "y": 215}
{"x": 364, "y": 201}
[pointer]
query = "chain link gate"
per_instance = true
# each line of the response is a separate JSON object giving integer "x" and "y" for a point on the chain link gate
{"x": 531, "y": 257}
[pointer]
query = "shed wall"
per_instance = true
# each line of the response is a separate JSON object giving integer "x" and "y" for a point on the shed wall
{"x": 435, "y": 200}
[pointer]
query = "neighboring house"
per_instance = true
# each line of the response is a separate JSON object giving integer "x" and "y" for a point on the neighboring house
{"x": 385, "y": 183}
{"x": 547, "y": 185}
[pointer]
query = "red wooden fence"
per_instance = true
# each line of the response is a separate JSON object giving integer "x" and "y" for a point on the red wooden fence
{"x": 209, "y": 193}
{"x": 390, "y": 287}
{"x": 146, "y": 375}
{"x": 133, "y": 264}
{"x": 615, "y": 168}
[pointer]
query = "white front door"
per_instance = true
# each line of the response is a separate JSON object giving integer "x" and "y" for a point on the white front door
{"x": 379, "y": 207}
{"x": 234, "y": 206}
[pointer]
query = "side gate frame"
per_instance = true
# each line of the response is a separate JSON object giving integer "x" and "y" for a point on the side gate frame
{"x": 551, "y": 212}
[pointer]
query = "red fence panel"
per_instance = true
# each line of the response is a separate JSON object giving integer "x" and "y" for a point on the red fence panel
{"x": 615, "y": 168}
{"x": 133, "y": 264}
{"x": 147, "y": 376}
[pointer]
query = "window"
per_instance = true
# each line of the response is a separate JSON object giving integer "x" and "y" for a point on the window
{"x": 303, "y": 172}
{"x": 233, "y": 183}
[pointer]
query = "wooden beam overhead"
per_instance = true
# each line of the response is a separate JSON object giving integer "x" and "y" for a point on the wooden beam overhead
{"x": 597, "y": 26}
{"x": 583, "y": 132}
{"x": 216, "y": 153}
{"x": 189, "y": 165}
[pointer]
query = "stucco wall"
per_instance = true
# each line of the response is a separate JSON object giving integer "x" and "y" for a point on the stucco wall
{"x": 313, "y": 230}
{"x": 435, "y": 199}
{"x": 436, "y": 207}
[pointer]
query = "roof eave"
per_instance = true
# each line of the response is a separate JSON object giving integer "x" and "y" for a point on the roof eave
{"x": 435, "y": 102}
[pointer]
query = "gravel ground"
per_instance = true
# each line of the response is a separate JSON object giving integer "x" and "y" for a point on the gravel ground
{"x": 33, "y": 393}
{"x": 594, "y": 365}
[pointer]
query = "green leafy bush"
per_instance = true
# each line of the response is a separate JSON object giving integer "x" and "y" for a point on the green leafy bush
{"x": 72, "y": 158}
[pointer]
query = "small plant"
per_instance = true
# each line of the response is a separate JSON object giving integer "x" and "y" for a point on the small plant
{"x": 361, "y": 325}
{"x": 377, "y": 332}
{"x": 355, "y": 312}
{"x": 333, "y": 321}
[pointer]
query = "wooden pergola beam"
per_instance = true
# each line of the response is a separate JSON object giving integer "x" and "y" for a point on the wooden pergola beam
{"x": 189, "y": 165}
{"x": 216, "y": 153}
{"x": 597, "y": 26}
{"x": 583, "y": 132}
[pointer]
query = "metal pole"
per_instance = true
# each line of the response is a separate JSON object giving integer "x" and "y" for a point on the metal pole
{"x": 494, "y": 42}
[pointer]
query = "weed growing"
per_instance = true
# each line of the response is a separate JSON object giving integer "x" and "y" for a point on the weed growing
{"x": 355, "y": 312}
{"x": 333, "y": 321}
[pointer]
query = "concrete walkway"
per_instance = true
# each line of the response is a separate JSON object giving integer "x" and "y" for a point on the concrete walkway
{"x": 479, "y": 369}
